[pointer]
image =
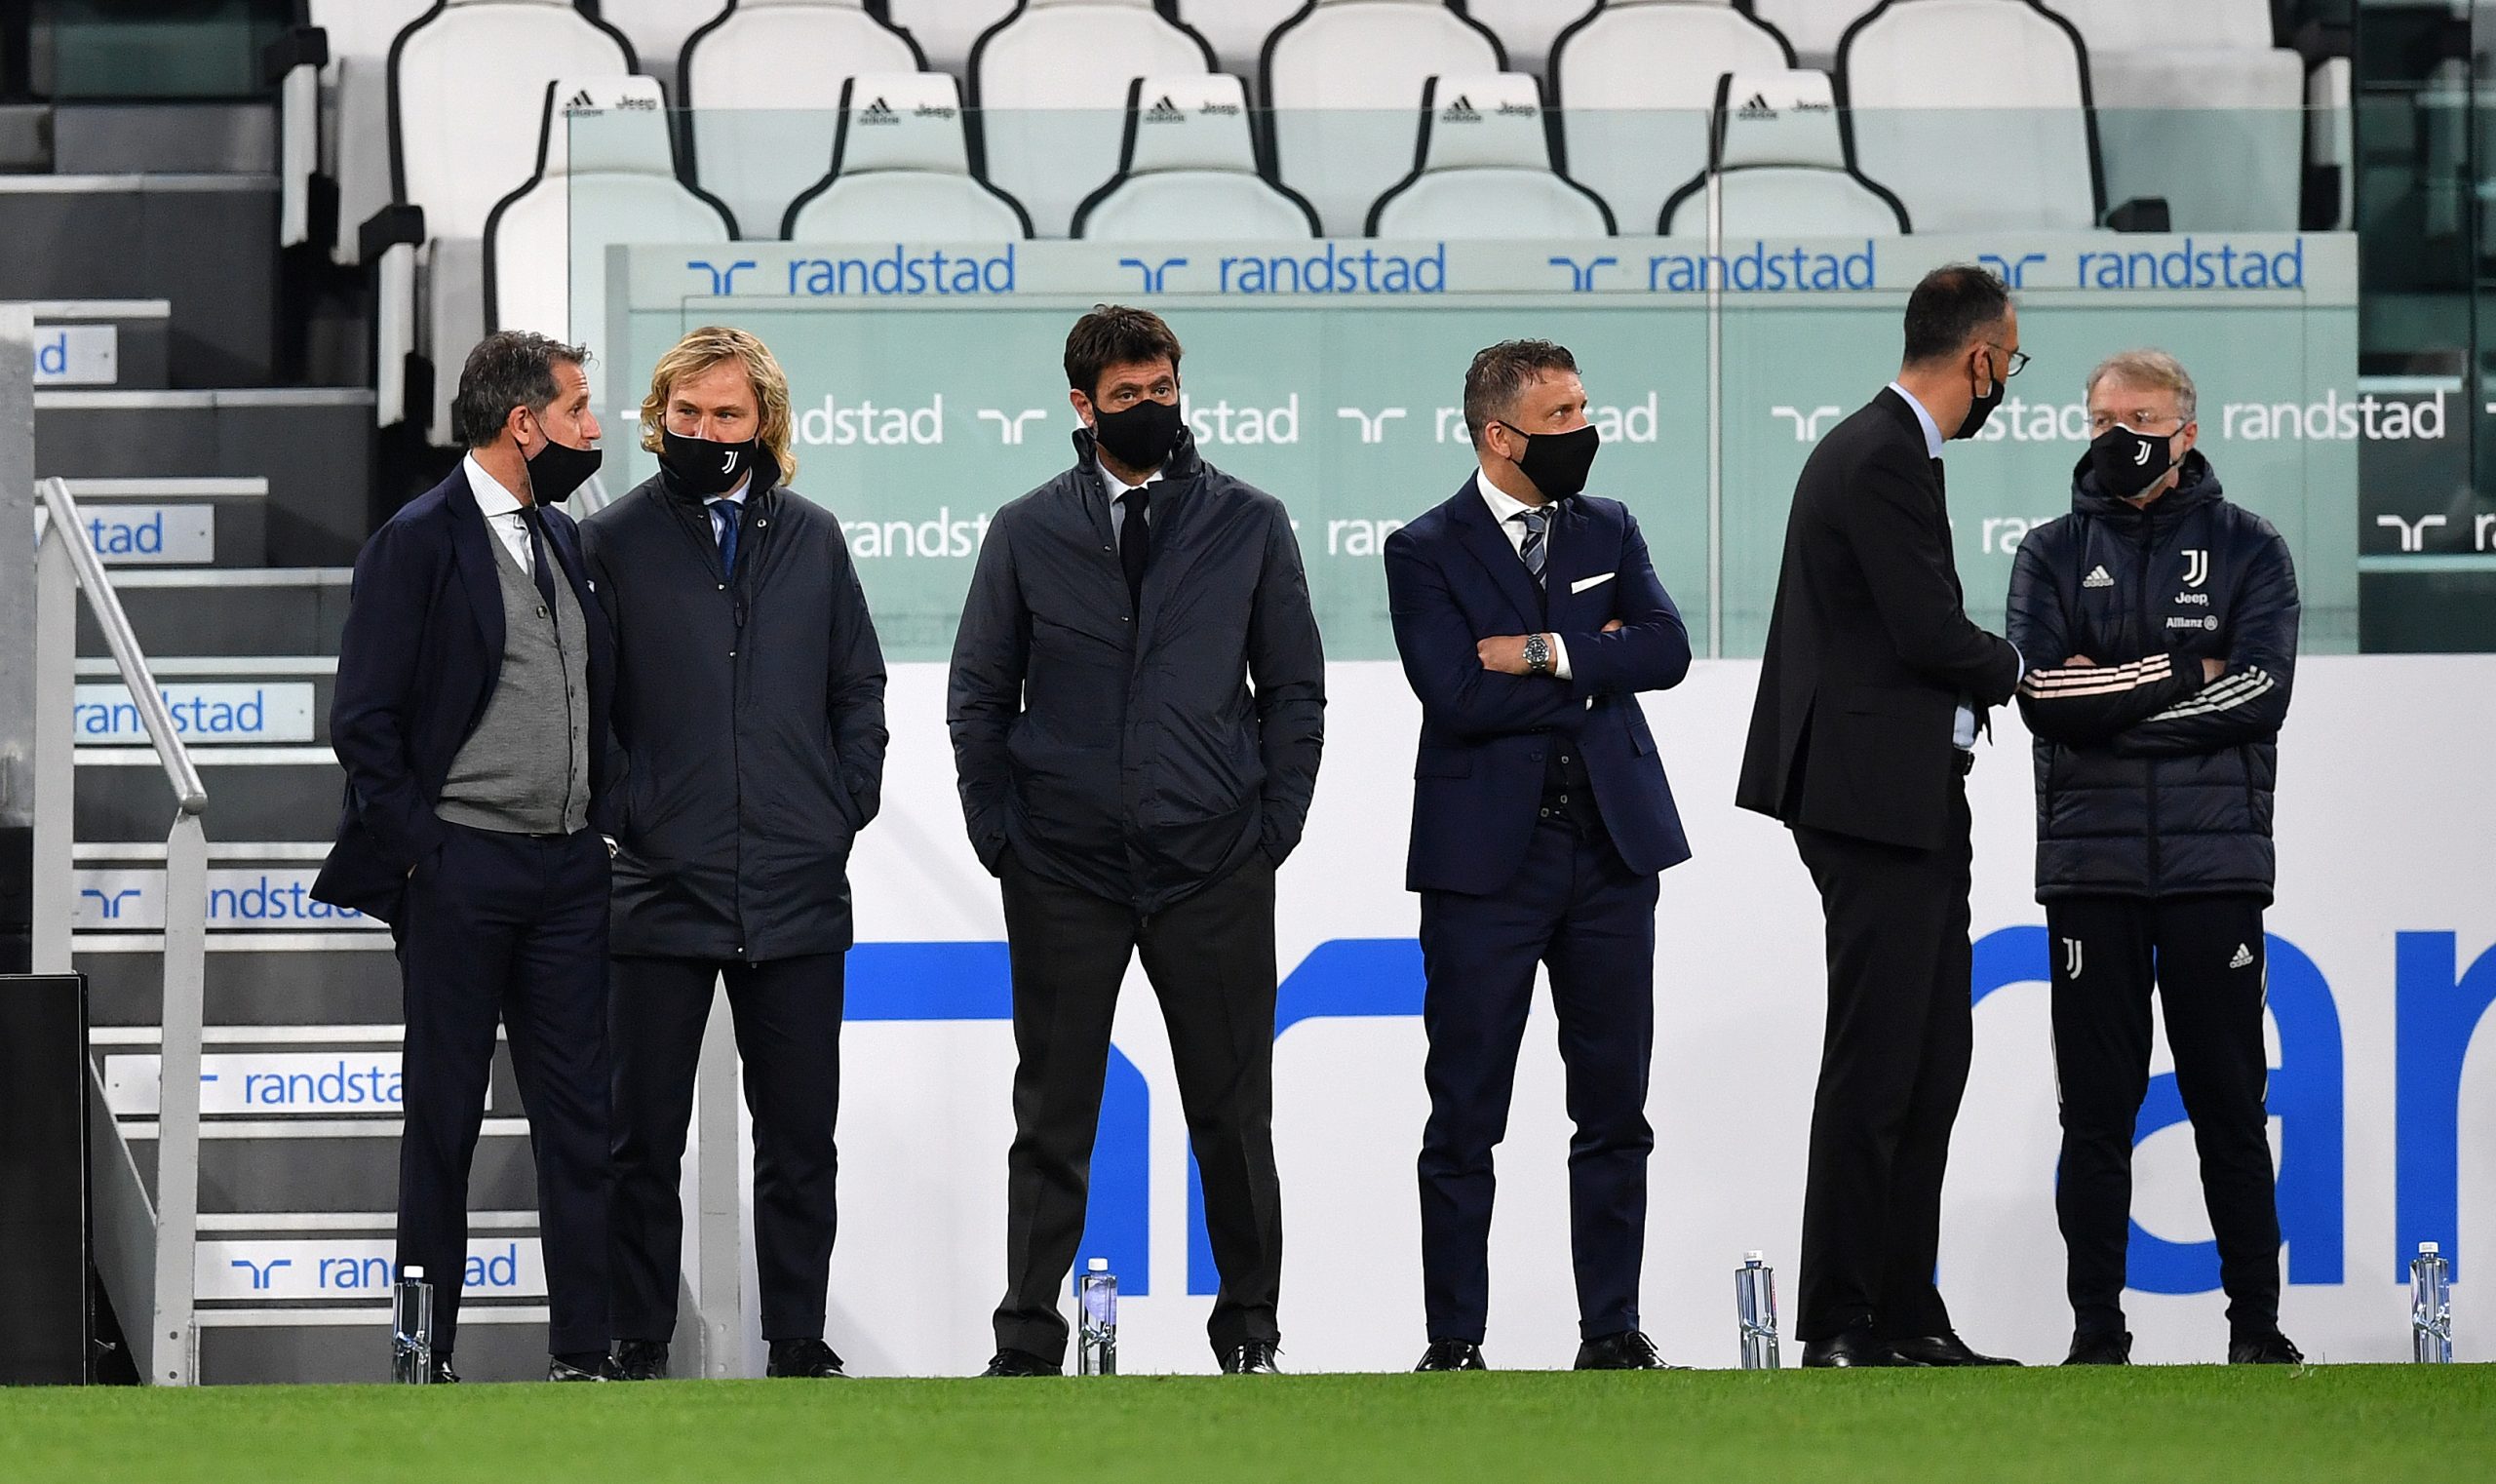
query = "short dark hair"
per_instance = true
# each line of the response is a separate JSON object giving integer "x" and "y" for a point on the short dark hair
{"x": 1500, "y": 375}
{"x": 1949, "y": 308}
{"x": 1114, "y": 334}
{"x": 508, "y": 369}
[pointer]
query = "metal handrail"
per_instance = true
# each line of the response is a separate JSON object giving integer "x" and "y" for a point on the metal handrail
{"x": 145, "y": 1250}
{"x": 190, "y": 794}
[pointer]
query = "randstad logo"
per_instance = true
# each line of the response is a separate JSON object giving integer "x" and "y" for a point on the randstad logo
{"x": 1165, "y": 112}
{"x": 878, "y": 112}
{"x": 1460, "y": 112}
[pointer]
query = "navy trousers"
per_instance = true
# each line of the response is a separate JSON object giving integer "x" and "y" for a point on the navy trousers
{"x": 509, "y": 929}
{"x": 1578, "y": 909}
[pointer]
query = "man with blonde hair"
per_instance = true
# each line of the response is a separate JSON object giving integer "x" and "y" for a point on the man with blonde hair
{"x": 750, "y": 728}
{"x": 2162, "y": 623}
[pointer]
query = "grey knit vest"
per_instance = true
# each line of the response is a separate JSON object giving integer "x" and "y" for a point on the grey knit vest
{"x": 525, "y": 768}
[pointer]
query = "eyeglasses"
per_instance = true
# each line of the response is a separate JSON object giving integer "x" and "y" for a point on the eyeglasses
{"x": 2019, "y": 360}
{"x": 2138, "y": 422}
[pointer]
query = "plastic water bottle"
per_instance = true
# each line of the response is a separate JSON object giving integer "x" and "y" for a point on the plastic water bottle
{"x": 1097, "y": 1293}
{"x": 412, "y": 1328}
{"x": 1755, "y": 1303}
{"x": 2431, "y": 1307}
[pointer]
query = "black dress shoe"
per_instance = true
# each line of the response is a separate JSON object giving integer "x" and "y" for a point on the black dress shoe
{"x": 803, "y": 1357}
{"x": 2272, "y": 1348}
{"x": 1850, "y": 1350}
{"x": 1010, "y": 1361}
{"x": 1255, "y": 1358}
{"x": 641, "y": 1360}
{"x": 1943, "y": 1349}
{"x": 559, "y": 1369}
{"x": 1452, "y": 1355}
{"x": 1628, "y": 1350}
{"x": 442, "y": 1374}
{"x": 2100, "y": 1348}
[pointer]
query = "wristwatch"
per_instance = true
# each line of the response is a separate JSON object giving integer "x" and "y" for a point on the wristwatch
{"x": 1538, "y": 654}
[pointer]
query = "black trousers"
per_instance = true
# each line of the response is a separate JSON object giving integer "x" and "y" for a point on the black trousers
{"x": 1577, "y": 907}
{"x": 508, "y": 927}
{"x": 2206, "y": 956}
{"x": 787, "y": 1026}
{"x": 1894, "y": 1064}
{"x": 1211, "y": 960}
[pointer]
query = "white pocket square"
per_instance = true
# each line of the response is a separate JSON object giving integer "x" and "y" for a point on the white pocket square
{"x": 1583, "y": 583}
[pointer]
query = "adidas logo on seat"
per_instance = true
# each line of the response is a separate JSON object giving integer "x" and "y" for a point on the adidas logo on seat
{"x": 878, "y": 112}
{"x": 1460, "y": 112}
{"x": 579, "y": 101}
{"x": 1165, "y": 112}
{"x": 2097, "y": 577}
{"x": 2244, "y": 958}
{"x": 1756, "y": 107}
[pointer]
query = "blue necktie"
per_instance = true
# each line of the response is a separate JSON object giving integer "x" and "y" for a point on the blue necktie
{"x": 1537, "y": 522}
{"x": 723, "y": 513}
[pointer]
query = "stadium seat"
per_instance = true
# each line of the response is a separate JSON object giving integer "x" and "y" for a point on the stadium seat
{"x": 467, "y": 90}
{"x": 334, "y": 104}
{"x": 605, "y": 175}
{"x": 2195, "y": 105}
{"x": 760, "y": 83}
{"x": 1341, "y": 77}
{"x": 658, "y": 30}
{"x": 1812, "y": 27}
{"x": 1527, "y": 29}
{"x": 1483, "y": 168}
{"x": 1237, "y": 30}
{"x": 947, "y": 29}
{"x": 1189, "y": 170}
{"x": 1975, "y": 113}
{"x": 1046, "y": 84}
{"x": 901, "y": 170}
{"x": 1780, "y": 166}
{"x": 1632, "y": 82}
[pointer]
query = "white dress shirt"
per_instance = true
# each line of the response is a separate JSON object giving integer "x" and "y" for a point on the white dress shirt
{"x": 1506, "y": 511}
{"x": 502, "y": 511}
{"x": 1118, "y": 489}
{"x": 1963, "y": 722}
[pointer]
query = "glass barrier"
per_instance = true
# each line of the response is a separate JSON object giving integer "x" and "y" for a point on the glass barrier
{"x": 923, "y": 328}
{"x": 154, "y": 50}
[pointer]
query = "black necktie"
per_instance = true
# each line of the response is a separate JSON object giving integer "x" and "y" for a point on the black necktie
{"x": 1135, "y": 541}
{"x": 724, "y": 526}
{"x": 535, "y": 523}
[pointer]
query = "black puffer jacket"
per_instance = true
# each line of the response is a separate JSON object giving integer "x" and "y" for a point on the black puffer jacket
{"x": 2150, "y": 781}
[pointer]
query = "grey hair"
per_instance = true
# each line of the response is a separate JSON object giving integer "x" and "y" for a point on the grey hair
{"x": 2149, "y": 367}
{"x": 509, "y": 368}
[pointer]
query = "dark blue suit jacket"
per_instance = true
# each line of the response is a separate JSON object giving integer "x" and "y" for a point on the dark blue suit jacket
{"x": 421, "y": 654}
{"x": 1453, "y": 580}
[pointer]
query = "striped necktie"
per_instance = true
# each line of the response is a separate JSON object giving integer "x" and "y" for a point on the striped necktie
{"x": 1536, "y": 524}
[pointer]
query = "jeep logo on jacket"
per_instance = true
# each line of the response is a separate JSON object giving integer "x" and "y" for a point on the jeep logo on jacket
{"x": 2150, "y": 781}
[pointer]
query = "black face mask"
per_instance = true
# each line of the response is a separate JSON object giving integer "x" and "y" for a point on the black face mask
{"x": 1142, "y": 436}
{"x": 1981, "y": 409}
{"x": 2128, "y": 464}
{"x": 700, "y": 466}
{"x": 1558, "y": 462}
{"x": 556, "y": 470}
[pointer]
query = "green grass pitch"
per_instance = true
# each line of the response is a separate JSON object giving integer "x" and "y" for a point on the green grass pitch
{"x": 2205, "y": 1425}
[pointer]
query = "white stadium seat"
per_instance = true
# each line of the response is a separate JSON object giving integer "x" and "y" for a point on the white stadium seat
{"x": 1527, "y": 28}
{"x": 1189, "y": 170}
{"x": 947, "y": 29}
{"x": 467, "y": 91}
{"x": 1781, "y": 169}
{"x": 1046, "y": 88}
{"x": 2195, "y": 105}
{"x": 605, "y": 175}
{"x": 658, "y": 29}
{"x": 1341, "y": 78}
{"x": 1237, "y": 28}
{"x": 1815, "y": 27}
{"x": 1483, "y": 168}
{"x": 1975, "y": 113}
{"x": 760, "y": 83}
{"x": 1632, "y": 84}
{"x": 901, "y": 170}
{"x": 335, "y": 117}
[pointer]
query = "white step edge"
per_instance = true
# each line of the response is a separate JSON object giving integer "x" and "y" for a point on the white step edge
{"x": 141, "y": 755}
{"x": 126, "y": 579}
{"x": 54, "y": 311}
{"x": 261, "y": 1035}
{"x": 351, "y": 1221}
{"x": 239, "y": 940}
{"x": 249, "y": 665}
{"x": 314, "y": 1128}
{"x": 471, "y": 1312}
{"x": 197, "y": 487}
{"x": 250, "y": 850}
{"x": 204, "y": 400}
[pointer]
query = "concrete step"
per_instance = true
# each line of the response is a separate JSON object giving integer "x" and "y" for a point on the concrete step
{"x": 262, "y": 979}
{"x": 163, "y": 522}
{"x": 217, "y": 700}
{"x": 314, "y": 446}
{"x": 122, "y": 343}
{"x": 253, "y": 793}
{"x": 341, "y": 1164}
{"x": 280, "y": 610}
{"x": 276, "y": 1348}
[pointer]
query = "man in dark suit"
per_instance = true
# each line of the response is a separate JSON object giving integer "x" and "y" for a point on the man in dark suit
{"x": 473, "y": 677}
{"x": 1860, "y": 741}
{"x": 1528, "y": 617}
